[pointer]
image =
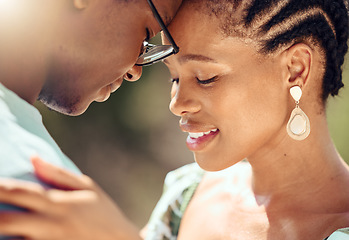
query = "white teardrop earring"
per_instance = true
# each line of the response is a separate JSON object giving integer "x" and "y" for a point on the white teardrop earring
{"x": 298, "y": 127}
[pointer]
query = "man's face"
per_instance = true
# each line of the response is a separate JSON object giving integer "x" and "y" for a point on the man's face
{"x": 95, "y": 48}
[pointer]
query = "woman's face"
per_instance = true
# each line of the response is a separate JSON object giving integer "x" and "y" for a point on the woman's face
{"x": 232, "y": 100}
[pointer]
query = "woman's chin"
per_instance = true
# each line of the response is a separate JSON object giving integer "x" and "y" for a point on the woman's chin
{"x": 212, "y": 164}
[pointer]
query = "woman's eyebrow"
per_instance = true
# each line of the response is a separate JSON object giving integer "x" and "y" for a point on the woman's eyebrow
{"x": 195, "y": 57}
{"x": 192, "y": 57}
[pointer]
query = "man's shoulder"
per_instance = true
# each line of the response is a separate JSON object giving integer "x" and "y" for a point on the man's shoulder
{"x": 22, "y": 135}
{"x": 18, "y": 143}
{"x": 340, "y": 234}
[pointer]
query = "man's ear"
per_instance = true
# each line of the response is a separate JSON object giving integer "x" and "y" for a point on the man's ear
{"x": 81, "y": 4}
{"x": 299, "y": 60}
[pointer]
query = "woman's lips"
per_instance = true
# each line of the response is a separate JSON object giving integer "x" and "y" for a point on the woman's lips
{"x": 197, "y": 141}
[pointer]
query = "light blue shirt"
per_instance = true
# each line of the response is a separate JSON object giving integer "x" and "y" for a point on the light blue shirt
{"x": 22, "y": 135}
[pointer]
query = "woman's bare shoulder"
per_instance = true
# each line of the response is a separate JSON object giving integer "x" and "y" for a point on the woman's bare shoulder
{"x": 237, "y": 176}
{"x": 239, "y": 171}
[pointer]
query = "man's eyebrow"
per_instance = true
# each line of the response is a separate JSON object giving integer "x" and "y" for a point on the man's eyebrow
{"x": 195, "y": 57}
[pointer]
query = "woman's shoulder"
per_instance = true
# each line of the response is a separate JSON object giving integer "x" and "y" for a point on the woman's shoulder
{"x": 238, "y": 175}
{"x": 191, "y": 175}
{"x": 193, "y": 169}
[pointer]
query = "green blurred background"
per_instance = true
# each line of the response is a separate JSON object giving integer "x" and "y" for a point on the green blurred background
{"x": 130, "y": 142}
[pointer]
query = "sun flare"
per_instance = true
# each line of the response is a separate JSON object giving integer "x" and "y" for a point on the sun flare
{"x": 8, "y": 7}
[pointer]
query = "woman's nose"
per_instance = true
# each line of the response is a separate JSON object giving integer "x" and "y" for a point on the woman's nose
{"x": 183, "y": 100}
{"x": 133, "y": 74}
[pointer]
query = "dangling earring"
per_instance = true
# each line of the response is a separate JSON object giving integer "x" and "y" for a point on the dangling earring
{"x": 298, "y": 127}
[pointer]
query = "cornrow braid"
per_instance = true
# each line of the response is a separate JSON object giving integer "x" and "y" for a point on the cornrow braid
{"x": 280, "y": 23}
{"x": 316, "y": 27}
{"x": 256, "y": 8}
{"x": 332, "y": 34}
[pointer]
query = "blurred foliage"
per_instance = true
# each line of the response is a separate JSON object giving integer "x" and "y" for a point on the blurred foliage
{"x": 130, "y": 142}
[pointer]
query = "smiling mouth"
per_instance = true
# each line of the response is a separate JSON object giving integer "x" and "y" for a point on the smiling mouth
{"x": 196, "y": 135}
{"x": 198, "y": 141}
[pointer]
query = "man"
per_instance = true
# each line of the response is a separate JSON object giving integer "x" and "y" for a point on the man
{"x": 67, "y": 54}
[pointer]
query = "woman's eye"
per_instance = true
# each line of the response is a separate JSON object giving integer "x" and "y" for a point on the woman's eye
{"x": 207, "y": 81}
{"x": 175, "y": 80}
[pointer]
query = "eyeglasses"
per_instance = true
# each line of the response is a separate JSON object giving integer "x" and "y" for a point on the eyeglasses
{"x": 153, "y": 53}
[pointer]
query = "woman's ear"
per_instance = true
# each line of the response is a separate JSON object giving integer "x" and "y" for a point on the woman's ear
{"x": 81, "y": 4}
{"x": 299, "y": 60}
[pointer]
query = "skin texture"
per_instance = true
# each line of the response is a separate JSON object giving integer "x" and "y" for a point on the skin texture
{"x": 249, "y": 103}
{"x": 81, "y": 211}
{"x": 73, "y": 52}
{"x": 287, "y": 189}
{"x": 70, "y": 53}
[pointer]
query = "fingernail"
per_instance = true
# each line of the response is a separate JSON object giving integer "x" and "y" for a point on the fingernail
{"x": 36, "y": 160}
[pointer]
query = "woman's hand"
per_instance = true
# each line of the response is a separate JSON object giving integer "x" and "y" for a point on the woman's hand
{"x": 82, "y": 211}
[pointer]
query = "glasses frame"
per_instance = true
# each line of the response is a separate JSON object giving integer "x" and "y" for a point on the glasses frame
{"x": 167, "y": 34}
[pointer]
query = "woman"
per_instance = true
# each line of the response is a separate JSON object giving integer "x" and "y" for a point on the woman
{"x": 250, "y": 82}
{"x": 232, "y": 80}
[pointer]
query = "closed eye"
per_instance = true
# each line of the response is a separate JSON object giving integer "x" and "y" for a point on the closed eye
{"x": 207, "y": 81}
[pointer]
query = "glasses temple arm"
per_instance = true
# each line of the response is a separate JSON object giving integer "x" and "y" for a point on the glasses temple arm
{"x": 163, "y": 26}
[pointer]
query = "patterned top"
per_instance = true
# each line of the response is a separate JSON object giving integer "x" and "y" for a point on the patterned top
{"x": 179, "y": 187}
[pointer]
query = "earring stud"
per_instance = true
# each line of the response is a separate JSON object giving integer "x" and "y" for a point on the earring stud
{"x": 298, "y": 126}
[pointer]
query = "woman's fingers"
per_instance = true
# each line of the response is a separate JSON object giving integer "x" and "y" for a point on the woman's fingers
{"x": 57, "y": 214}
{"x": 23, "y": 194}
{"x": 35, "y": 198}
{"x": 22, "y": 226}
{"x": 28, "y": 225}
{"x": 84, "y": 213}
{"x": 59, "y": 177}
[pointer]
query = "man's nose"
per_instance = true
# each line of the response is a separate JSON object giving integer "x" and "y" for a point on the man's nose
{"x": 133, "y": 74}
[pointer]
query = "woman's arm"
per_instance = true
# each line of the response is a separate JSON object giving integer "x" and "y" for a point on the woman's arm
{"x": 81, "y": 211}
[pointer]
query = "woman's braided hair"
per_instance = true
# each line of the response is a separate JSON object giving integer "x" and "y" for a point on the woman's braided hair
{"x": 280, "y": 23}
